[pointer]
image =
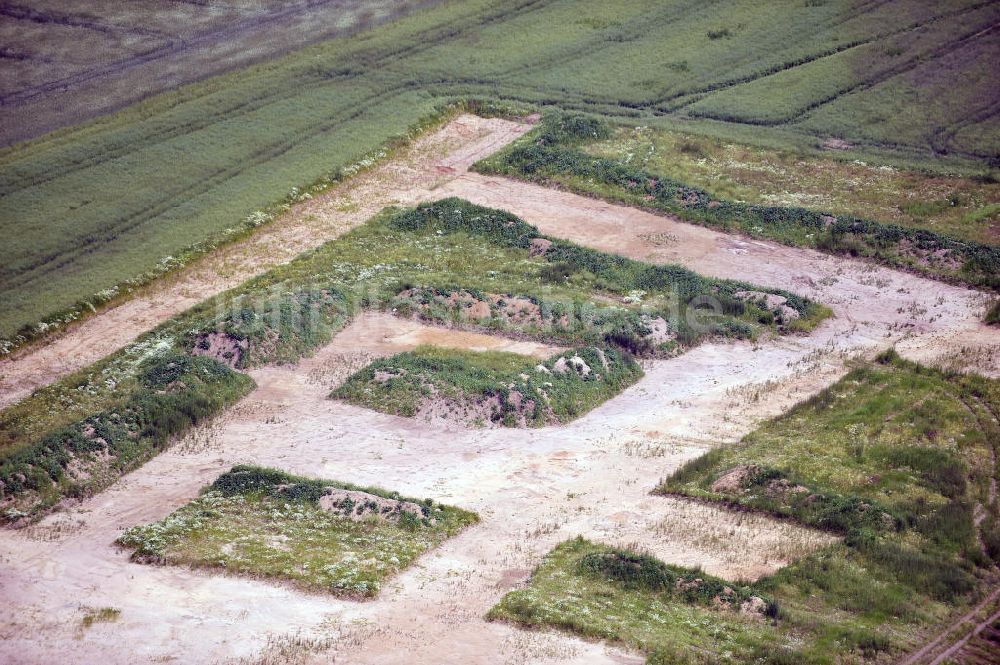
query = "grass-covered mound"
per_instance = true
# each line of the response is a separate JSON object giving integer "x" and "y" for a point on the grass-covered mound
{"x": 897, "y": 458}
{"x": 556, "y": 152}
{"x": 450, "y": 263}
{"x": 318, "y": 534}
{"x": 482, "y": 388}
{"x": 669, "y": 612}
{"x": 893, "y": 448}
{"x": 172, "y": 391}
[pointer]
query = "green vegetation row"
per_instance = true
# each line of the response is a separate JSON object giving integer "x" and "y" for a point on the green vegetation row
{"x": 174, "y": 391}
{"x": 492, "y": 387}
{"x": 91, "y": 211}
{"x": 964, "y": 207}
{"x": 553, "y": 153}
{"x": 267, "y": 523}
{"x": 448, "y": 247}
{"x": 892, "y": 447}
{"x": 674, "y": 614}
{"x": 894, "y": 457}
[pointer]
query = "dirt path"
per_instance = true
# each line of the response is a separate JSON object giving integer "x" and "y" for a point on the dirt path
{"x": 531, "y": 488}
{"x": 434, "y": 159}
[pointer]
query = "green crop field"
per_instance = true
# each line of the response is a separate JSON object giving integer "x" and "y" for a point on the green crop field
{"x": 89, "y": 208}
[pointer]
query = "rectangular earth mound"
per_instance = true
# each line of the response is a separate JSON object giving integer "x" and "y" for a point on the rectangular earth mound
{"x": 491, "y": 387}
{"x": 317, "y": 534}
{"x": 632, "y": 598}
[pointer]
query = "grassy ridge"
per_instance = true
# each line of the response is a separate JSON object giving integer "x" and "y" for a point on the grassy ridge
{"x": 89, "y": 209}
{"x": 891, "y": 448}
{"x": 553, "y": 153}
{"x": 895, "y": 457}
{"x": 967, "y": 208}
{"x": 172, "y": 392}
{"x": 409, "y": 261}
{"x": 484, "y": 387}
{"x": 266, "y": 523}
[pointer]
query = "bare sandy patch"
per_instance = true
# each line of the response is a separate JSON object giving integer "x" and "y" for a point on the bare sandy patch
{"x": 471, "y": 341}
{"x": 532, "y": 490}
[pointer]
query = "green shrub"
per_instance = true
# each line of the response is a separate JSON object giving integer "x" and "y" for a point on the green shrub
{"x": 993, "y": 315}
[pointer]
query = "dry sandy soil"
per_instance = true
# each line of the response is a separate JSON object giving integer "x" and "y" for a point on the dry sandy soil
{"x": 532, "y": 488}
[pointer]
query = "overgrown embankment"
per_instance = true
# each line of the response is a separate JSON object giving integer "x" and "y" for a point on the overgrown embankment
{"x": 321, "y": 535}
{"x": 553, "y": 154}
{"x": 492, "y": 388}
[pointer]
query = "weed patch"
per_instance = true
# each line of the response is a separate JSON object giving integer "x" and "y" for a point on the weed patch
{"x": 263, "y": 522}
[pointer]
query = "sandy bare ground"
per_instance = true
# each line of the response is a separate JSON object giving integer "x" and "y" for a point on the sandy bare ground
{"x": 431, "y": 161}
{"x": 531, "y": 488}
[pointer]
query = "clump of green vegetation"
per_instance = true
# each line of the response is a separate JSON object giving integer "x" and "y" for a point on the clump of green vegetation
{"x": 537, "y": 158}
{"x": 993, "y": 315}
{"x": 318, "y": 534}
{"x": 894, "y": 457}
{"x": 492, "y": 387}
{"x": 276, "y": 325}
{"x": 600, "y": 592}
{"x": 890, "y": 448}
{"x": 99, "y": 615}
{"x": 438, "y": 261}
{"x": 175, "y": 391}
